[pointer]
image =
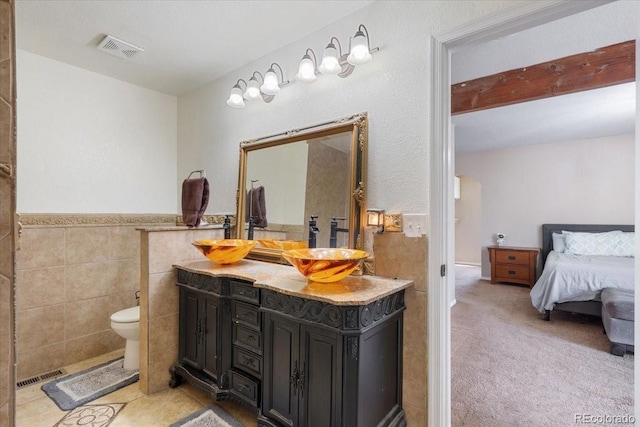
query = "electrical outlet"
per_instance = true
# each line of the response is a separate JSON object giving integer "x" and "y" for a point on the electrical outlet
{"x": 414, "y": 225}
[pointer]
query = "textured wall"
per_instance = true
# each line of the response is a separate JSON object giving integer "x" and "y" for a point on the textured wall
{"x": 580, "y": 182}
{"x": 393, "y": 88}
{"x": 92, "y": 144}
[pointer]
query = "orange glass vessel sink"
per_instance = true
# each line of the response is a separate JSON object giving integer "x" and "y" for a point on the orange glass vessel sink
{"x": 225, "y": 251}
{"x": 282, "y": 244}
{"x": 325, "y": 265}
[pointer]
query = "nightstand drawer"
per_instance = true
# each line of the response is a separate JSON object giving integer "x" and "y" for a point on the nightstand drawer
{"x": 505, "y": 256}
{"x": 509, "y": 272}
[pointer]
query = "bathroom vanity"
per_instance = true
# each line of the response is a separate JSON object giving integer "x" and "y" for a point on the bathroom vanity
{"x": 299, "y": 353}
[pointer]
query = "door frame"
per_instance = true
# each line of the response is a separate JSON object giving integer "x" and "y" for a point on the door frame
{"x": 441, "y": 258}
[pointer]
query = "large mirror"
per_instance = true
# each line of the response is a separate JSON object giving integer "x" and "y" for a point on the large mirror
{"x": 309, "y": 174}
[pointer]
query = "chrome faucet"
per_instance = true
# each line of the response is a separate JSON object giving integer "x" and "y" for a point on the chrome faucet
{"x": 252, "y": 224}
{"x": 333, "y": 239}
{"x": 313, "y": 231}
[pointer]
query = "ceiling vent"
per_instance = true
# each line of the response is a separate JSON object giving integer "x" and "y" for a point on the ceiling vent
{"x": 119, "y": 48}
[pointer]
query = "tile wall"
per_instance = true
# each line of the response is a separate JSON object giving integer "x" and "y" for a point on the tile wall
{"x": 406, "y": 257}
{"x": 161, "y": 248}
{"x": 7, "y": 209}
{"x": 70, "y": 278}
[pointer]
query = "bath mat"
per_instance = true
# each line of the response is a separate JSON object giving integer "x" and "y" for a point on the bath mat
{"x": 77, "y": 389}
{"x": 211, "y": 416}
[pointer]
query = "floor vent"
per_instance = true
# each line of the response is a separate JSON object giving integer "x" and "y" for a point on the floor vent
{"x": 43, "y": 377}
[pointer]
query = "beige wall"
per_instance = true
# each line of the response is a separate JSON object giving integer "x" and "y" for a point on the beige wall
{"x": 327, "y": 170}
{"x": 7, "y": 209}
{"x": 69, "y": 280}
{"x": 584, "y": 182}
{"x": 161, "y": 248}
{"x": 469, "y": 221}
{"x": 399, "y": 256}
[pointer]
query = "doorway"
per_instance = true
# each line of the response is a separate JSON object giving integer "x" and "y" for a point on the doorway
{"x": 441, "y": 201}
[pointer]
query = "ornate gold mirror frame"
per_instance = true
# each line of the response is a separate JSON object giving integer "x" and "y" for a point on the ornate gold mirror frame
{"x": 354, "y": 127}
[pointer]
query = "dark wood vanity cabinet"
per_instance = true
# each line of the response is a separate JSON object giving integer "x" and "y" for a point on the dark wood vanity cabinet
{"x": 198, "y": 340}
{"x": 328, "y": 365}
{"x": 207, "y": 357}
{"x": 303, "y": 386}
{"x": 295, "y": 361}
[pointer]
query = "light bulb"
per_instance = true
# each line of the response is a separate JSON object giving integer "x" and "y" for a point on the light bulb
{"x": 253, "y": 91}
{"x": 359, "y": 50}
{"x": 235, "y": 98}
{"x": 270, "y": 85}
{"x": 330, "y": 63}
{"x": 306, "y": 70}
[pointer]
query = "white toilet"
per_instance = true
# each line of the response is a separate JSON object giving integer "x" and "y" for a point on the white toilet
{"x": 126, "y": 323}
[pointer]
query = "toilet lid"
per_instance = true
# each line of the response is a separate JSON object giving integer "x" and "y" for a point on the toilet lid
{"x": 128, "y": 315}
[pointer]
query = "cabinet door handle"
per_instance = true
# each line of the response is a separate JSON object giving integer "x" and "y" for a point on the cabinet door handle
{"x": 511, "y": 257}
{"x": 512, "y": 272}
{"x": 301, "y": 382}
{"x": 295, "y": 377}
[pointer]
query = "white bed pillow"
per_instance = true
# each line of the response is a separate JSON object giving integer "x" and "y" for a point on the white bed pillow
{"x": 558, "y": 242}
{"x": 578, "y": 243}
{"x": 626, "y": 245}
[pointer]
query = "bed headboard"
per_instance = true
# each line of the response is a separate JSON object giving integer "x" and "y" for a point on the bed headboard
{"x": 549, "y": 229}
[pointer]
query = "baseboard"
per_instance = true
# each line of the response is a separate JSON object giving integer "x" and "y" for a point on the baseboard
{"x": 454, "y": 302}
{"x": 485, "y": 278}
{"x": 472, "y": 264}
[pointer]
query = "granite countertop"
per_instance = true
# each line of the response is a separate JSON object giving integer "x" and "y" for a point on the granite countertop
{"x": 352, "y": 290}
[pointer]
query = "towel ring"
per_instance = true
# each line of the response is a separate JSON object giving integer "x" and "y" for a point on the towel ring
{"x": 202, "y": 173}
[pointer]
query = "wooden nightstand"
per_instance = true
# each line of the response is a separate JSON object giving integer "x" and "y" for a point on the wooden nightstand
{"x": 513, "y": 265}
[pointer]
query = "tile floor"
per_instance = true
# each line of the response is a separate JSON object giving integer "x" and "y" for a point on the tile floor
{"x": 35, "y": 409}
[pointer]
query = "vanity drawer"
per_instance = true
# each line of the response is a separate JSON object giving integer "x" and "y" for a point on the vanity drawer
{"x": 246, "y": 313}
{"x": 247, "y": 337}
{"x": 247, "y": 361}
{"x": 245, "y": 291}
{"x": 506, "y": 272}
{"x": 245, "y": 388}
{"x": 512, "y": 257}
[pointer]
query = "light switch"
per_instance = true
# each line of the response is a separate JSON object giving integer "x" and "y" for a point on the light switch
{"x": 414, "y": 225}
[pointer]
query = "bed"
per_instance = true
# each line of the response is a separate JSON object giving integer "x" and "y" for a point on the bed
{"x": 573, "y": 282}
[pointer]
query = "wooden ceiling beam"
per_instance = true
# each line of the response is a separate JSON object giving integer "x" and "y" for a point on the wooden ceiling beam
{"x": 602, "y": 67}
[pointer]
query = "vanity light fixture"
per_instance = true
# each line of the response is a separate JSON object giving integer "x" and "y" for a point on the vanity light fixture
{"x": 375, "y": 218}
{"x": 334, "y": 61}
{"x": 254, "y": 91}
{"x": 307, "y": 68}
{"x": 235, "y": 97}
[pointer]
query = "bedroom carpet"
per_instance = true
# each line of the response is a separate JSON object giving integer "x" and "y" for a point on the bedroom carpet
{"x": 510, "y": 368}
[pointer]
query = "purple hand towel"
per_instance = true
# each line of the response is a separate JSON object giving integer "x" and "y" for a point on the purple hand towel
{"x": 195, "y": 198}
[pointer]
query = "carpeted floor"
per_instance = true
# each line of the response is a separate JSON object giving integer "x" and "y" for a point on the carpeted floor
{"x": 511, "y": 368}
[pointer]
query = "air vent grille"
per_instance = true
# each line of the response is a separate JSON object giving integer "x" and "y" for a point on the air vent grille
{"x": 37, "y": 379}
{"x": 119, "y": 48}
